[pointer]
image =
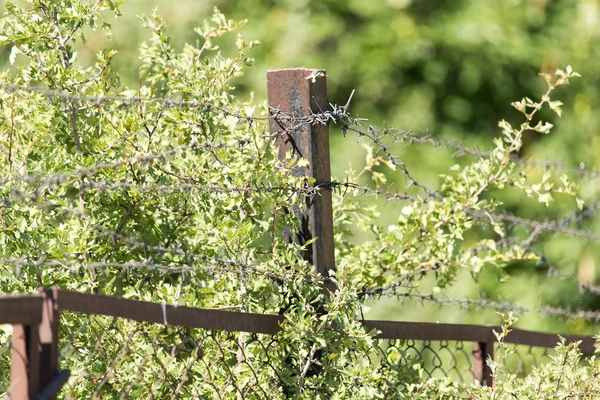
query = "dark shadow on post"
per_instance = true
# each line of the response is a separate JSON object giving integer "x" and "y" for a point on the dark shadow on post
{"x": 48, "y": 342}
{"x": 24, "y": 378}
{"x": 482, "y": 352}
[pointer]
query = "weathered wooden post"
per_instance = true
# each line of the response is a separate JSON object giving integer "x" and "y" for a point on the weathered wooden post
{"x": 34, "y": 354}
{"x": 299, "y": 92}
{"x": 482, "y": 351}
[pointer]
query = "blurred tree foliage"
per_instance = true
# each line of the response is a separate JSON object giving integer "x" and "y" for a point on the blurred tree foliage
{"x": 452, "y": 68}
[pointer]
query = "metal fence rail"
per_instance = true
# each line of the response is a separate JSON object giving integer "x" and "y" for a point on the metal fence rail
{"x": 128, "y": 334}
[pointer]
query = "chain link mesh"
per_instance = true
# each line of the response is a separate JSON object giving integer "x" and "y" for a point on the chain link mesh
{"x": 440, "y": 359}
{"x": 5, "y": 354}
{"x": 119, "y": 358}
{"x": 524, "y": 358}
{"x": 129, "y": 359}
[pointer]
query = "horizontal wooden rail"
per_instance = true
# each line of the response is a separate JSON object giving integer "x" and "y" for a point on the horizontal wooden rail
{"x": 549, "y": 340}
{"x": 430, "y": 331}
{"x": 471, "y": 333}
{"x": 26, "y": 309}
{"x": 21, "y": 309}
{"x": 170, "y": 315}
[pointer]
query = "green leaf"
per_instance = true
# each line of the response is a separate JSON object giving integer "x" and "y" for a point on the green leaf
{"x": 555, "y": 106}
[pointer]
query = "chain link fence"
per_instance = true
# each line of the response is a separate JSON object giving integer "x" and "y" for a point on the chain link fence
{"x": 107, "y": 347}
{"x": 131, "y": 359}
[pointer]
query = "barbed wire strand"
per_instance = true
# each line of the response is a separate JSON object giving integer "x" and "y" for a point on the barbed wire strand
{"x": 335, "y": 114}
{"x": 58, "y": 179}
{"x": 484, "y": 303}
{"x": 562, "y": 226}
{"x": 407, "y": 280}
{"x": 361, "y": 129}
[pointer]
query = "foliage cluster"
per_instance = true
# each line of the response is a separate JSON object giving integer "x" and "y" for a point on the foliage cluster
{"x": 451, "y": 70}
{"x": 159, "y": 201}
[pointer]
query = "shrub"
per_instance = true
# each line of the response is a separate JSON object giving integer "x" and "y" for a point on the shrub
{"x": 114, "y": 190}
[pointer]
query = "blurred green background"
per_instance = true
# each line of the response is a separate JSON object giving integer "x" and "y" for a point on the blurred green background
{"x": 451, "y": 68}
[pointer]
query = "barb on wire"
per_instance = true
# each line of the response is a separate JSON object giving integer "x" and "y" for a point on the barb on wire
{"x": 352, "y": 189}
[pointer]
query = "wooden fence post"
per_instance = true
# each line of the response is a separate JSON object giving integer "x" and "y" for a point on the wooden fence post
{"x": 482, "y": 351}
{"x": 34, "y": 354}
{"x": 24, "y": 380}
{"x": 298, "y": 92}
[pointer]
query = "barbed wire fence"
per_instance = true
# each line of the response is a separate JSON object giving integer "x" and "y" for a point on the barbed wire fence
{"x": 181, "y": 352}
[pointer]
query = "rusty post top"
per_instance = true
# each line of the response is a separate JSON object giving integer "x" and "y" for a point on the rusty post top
{"x": 309, "y": 70}
{"x": 309, "y": 74}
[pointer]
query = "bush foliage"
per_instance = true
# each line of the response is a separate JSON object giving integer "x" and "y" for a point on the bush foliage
{"x": 185, "y": 202}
